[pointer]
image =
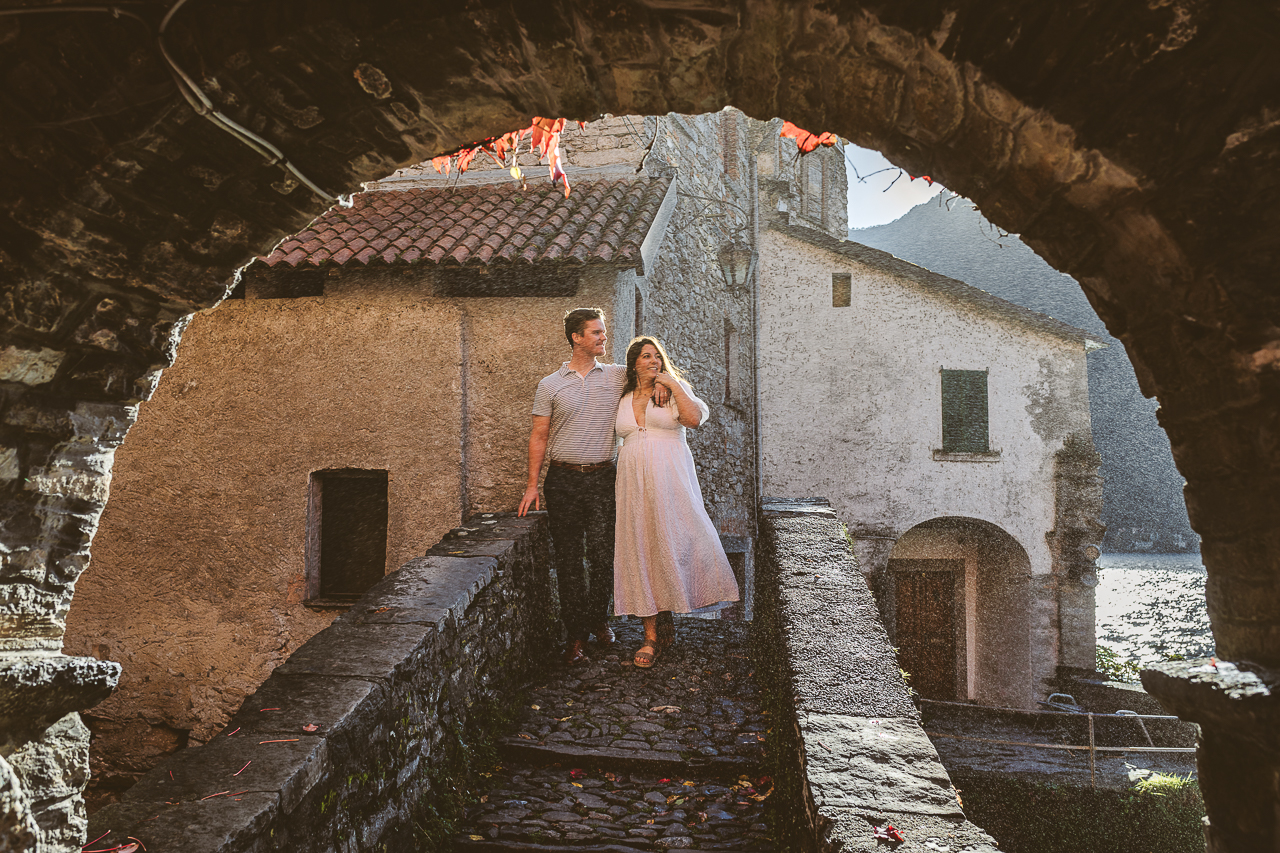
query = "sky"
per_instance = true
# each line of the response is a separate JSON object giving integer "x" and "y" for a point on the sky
{"x": 875, "y": 202}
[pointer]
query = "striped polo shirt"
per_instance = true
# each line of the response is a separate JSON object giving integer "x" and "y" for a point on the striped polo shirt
{"x": 582, "y": 412}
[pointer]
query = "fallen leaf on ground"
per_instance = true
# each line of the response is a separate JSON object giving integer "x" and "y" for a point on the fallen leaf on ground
{"x": 888, "y": 833}
{"x": 311, "y": 728}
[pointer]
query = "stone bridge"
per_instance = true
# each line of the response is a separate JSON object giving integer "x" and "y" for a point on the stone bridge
{"x": 1132, "y": 144}
{"x": 427, "y": 717}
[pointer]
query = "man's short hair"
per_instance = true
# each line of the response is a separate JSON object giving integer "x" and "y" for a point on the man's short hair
{"x": 576, "y": 320}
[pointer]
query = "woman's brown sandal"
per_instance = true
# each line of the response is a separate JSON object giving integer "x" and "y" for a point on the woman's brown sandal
{"x": 645, "y": 659}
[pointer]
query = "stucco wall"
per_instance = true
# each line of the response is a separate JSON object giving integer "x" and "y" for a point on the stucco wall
{"x": 850, "y": 407}
{"x": 509, "y": 345}
{"x": 850, "y": 399}
{"x": 197, "y": 580}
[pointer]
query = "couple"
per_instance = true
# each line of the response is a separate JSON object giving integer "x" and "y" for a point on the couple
{"x": 641, "y": 525}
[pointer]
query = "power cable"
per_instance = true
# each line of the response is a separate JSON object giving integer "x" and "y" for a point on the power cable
{"x": 193, "y": 94}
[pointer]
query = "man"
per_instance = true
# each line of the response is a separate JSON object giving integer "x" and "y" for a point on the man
{"x": 573, "y": 414}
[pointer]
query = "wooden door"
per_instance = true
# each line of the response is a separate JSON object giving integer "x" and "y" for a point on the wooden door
{"x": 926, "y": 631}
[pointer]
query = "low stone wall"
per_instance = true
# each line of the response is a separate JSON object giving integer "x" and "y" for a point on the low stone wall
{"x": 349, "y": 744}
{"x": 851, "y": 753}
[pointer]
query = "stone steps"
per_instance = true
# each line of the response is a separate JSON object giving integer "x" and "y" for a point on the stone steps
{"x": 615, "y": 759}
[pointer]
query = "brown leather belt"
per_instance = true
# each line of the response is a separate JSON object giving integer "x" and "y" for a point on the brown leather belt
{"x": 582, "y": 469}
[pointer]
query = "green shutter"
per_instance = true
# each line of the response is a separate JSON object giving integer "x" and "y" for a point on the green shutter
{"x": 964, "y": 411}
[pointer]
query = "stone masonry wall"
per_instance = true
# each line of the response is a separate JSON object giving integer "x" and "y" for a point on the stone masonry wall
{"x": 348, "y": 743}
{"x": 853, "y": 754}
{"x": 706, "y": 325}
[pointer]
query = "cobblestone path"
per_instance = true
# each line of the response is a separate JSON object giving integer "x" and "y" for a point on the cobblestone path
{"x": 611, "y": 757}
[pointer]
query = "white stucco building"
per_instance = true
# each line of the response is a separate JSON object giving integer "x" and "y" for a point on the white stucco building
{"x": 950, "y": 430}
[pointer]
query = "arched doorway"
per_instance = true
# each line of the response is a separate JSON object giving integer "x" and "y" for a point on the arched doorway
{"x": 960, "y": 612}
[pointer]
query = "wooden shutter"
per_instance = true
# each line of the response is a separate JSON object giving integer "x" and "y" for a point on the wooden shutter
{"x": 964, "y": 411}
{"x": 841, "y": 289}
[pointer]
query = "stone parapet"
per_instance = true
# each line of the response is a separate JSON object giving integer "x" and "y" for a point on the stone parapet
{"x": 1238, "y": 709}
{"x": 348, "y": 744}
{"x": 853, "y": 756}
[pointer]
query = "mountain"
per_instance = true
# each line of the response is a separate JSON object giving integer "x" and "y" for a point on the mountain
{"x": 1143, "y": 506}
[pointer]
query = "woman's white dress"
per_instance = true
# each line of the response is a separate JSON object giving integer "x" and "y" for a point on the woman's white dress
{"x": 667, "y": 554}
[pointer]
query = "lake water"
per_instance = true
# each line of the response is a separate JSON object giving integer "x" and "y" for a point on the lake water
{"x": 1150, "y": 606}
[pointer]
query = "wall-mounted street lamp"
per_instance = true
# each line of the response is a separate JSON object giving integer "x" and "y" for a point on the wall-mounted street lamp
{"x": 735, "y": 264}
{"x": 736, "y": 257}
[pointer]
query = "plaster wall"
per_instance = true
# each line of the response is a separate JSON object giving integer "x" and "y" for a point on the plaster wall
{"x": 850, "y": 407}
{"x": 205, "y": 533}
{"x": 851, "y": 399}
{"x": 198, "y": 577}
{"x": 509, "y": 344}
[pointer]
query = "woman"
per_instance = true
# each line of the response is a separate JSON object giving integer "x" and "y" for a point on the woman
{"x": 667, "y": 555}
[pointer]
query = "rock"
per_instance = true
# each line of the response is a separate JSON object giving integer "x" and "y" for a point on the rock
{"x": 675, "y": 842}
{"x": 18, "y": 829}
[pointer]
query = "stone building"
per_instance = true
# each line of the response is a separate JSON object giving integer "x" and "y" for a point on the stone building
{"x": 950, "y": 431}
{"x": 368, "y": 387}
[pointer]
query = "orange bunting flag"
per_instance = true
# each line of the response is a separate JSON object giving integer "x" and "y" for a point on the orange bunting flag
{"x": 544, "y": 136}
{"x": 805, "y": 140}
{"x": 546, "y": 133}
{"x": 557, "y": 170}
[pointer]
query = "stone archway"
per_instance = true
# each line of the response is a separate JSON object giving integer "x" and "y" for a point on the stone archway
{"x": 983, "y": 576}
{"x": 1134, "y": 146}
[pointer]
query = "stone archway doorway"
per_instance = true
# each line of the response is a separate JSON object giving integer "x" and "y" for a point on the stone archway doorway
{"x": 961, "y": 614}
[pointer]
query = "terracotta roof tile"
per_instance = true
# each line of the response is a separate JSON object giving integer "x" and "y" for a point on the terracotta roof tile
{"x": 600, "y": 222}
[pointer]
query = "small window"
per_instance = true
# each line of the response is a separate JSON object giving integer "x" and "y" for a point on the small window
{"x": 732, "y": 362}
{"x": 841, "y": 290}
{"x": 964, "y": 411}
{"x": 346, "y": 533}
{"x": 639, "y": 312}
{"x": 812, "y": 190}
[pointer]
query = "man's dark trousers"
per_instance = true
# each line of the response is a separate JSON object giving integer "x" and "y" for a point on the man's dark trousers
{"x": 581, "y": 511}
